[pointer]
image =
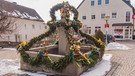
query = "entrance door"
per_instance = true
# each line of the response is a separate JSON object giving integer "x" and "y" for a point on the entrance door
{"x": 128, "y": 33}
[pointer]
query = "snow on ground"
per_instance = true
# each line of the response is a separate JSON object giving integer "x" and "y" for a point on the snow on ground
{"x": 116, "y": 46}
{"x": 9, "y": 49}
{"x": 8, "y": 65}
{"x": 12, "y": 66}
{"x": 101, "y": 68}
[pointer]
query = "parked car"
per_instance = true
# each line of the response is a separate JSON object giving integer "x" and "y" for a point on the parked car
{"x": 85, "y": 41}
{"x": 110, "y": 38}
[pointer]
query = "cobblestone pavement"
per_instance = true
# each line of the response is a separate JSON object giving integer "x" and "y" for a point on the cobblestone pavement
{"x": 123, "y": 61}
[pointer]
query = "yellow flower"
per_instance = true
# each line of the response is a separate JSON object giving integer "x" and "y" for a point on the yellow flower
{"x": 51, "y": 22}
{"x": 99, "y": 40}
{"x": 44, "y": 43}
{"x": 78, "y": 47}
{"x": 101, "y": 43}
{"x": 24, "y": 43}
{"x": 71, "y": 48}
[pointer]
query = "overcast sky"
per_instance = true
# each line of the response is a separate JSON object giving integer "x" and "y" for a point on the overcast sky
{"x": 43, "y": 6}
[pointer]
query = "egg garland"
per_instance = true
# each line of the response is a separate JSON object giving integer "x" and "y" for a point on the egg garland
{"x": 74, "y": 53}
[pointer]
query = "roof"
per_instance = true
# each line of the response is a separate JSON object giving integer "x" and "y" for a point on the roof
{"x": 19, "y": 11}
{"x": 80, "y": 4}
{"x": 122, "y": 24}
{"x": 129, "y": 4}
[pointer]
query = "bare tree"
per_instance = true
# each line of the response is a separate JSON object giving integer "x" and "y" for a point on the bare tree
{"x": 6, "y": 20}
{"x": 6, "y": 24}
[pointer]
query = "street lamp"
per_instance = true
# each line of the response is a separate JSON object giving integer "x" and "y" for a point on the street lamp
{"x": 106, "y": 18}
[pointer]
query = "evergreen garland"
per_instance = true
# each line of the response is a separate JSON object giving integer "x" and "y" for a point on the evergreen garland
{"x": 74, "y": 54}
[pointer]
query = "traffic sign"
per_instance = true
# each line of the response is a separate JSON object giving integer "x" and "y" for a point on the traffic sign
{"x": 133, "y": 16}
{"x": 106, "y": 25}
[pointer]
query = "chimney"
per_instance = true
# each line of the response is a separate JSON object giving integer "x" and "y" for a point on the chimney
{"x": 14, "y": 2}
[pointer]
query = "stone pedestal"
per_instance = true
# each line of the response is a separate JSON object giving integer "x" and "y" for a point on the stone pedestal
{"x": 63, "y": 43}
{"x": 71, "y": 70}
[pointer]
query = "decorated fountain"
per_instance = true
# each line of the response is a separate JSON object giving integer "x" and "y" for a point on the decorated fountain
{"x": 69, "y": 57}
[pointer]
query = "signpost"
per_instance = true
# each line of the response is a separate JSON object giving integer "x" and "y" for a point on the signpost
{"x": 133, "y": 17}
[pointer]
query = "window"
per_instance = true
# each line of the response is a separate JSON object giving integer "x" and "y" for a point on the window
{"x": 15, "y": 26}
{"x": 102, "y": 15}
{"x": 84, "y": 17}
{"x": 106, "y": 1}
{"x": 33, "y": 26}
{"x": 40, "y": 27}
{"x": 45, "y": 27}
{"x": 25, "y": 26}
{"x": 99, "y": 2}
{"x": 97, "y": 28}
{"x": 127, "y": 16}
{"x": 92, "y": 3}
{"x": 26, "y": 37}
{"x": 93, "y": 17}
{"x": 118, "y": 31}
{"x": 114, "y": 15}
{"x": 89, "y": 30}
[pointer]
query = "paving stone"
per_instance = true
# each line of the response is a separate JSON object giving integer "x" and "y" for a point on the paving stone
{"x": 123, "y": 61}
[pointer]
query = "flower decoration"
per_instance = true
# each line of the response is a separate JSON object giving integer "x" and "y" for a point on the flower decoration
{"x": 74, "y": 54}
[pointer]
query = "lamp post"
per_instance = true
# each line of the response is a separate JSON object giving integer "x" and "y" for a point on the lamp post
{"x": 106, "y": 18}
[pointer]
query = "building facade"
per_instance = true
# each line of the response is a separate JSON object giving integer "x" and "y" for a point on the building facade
{"x": 28, "y": 23}
{"x": 93, "y": 13}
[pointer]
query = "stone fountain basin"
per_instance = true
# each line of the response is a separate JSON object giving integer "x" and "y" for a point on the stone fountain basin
{"x": 71, "y": 70}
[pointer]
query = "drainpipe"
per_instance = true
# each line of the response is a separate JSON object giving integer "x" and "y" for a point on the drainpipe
{"x": 133, "y": 17}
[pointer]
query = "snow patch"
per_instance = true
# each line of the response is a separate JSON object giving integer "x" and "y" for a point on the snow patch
{"x": 101, "y": 68}
{"x": 12, "y": 66}
{"x": 14, "y": 49}
{"x": 116, "y": 46}
{"x": 8, "y": 65}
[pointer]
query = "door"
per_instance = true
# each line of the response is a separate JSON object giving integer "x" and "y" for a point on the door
{"x": 128, "y": 33}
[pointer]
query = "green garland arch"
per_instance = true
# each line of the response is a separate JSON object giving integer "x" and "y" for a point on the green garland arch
{"x": 59, "y": 65}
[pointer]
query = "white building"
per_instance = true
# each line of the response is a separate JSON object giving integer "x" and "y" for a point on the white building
{"x": 29, "y": 24}
{"x": 92, "y": 13}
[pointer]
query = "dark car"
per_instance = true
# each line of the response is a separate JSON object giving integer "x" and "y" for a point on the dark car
{"x": 85, "y": 41}
{"x": 110, "y": 38}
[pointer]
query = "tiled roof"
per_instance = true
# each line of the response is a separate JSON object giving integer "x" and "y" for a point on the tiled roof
{"x": 122, "y": 24}
{"x": 19, "y": 11}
